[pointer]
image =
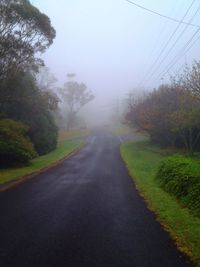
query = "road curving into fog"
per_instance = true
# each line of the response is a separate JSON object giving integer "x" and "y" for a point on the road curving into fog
{"x": 85, "y": 212}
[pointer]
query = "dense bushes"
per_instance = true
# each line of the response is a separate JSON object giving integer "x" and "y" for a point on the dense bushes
{"x": 43, "y": 133}
{"x": 15, "y": 147}
{"x": 21, "y": 99}
{"x": 180, "y": 177}
{"x": 171, "y": 117}
{"x": 171, "y": 113}
{"x": 25, "y": 33}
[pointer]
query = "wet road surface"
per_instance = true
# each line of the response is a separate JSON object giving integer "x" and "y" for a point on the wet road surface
{"x": 85, "y": 212}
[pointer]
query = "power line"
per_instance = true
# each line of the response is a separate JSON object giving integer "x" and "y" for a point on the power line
{"x": 182, "y": 52}
{"x": 151, "y": 70}
{"x": 153, "y": 50}
{"x": 176, "y": 41}
{"x": 162, "y": 15}
{"x": 179, "y": 55}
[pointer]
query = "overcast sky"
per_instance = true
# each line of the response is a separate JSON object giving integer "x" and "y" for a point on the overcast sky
{"x": 112, "y": 44}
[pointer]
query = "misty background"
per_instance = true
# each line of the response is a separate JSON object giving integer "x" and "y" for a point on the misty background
{"x": 113, "y": 46}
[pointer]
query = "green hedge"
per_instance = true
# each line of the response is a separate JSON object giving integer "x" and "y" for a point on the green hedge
{"x": 180, "y": 176}
{"x": 15, "y": 147}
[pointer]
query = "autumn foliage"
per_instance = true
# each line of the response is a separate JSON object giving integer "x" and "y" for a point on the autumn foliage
{"x": 171, "y": 113}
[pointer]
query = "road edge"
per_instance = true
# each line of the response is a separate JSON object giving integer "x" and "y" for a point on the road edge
{"x": 28, "y": 177}
{"x": 188, "y": 257}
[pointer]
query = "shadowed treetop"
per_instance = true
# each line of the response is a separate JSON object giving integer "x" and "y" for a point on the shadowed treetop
{"x": 24, "y": 32}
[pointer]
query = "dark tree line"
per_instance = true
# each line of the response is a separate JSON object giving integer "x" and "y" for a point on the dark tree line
{"x": 171, "y": 113}
{"x": 28, "y": 105}
{"x": 25, "y": 110}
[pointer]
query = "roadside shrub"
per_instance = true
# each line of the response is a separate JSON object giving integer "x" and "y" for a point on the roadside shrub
{"x": 15, "y": 147}
{"x": 43, "y": 133}
{"x": 180, "y": 176}
{"x": 22, "y": 100}
{"x": 193, "y": 199}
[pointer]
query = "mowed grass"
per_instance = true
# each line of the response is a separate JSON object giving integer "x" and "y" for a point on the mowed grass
{"x": 142, "y": 160}
{"x": 72, "y": 134}
{"x": 63, "y": 150}
{"x": 122, "y": 130}
{"x": 126, "y": 131}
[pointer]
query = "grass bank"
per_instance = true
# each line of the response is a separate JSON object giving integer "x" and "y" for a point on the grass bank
{"x": 72, "y": 134}
{"x": 122, "y": 129}
{"x": 63, "y": 150}
{"x": 128, "y": 133}
{"x": 142, "y": 160}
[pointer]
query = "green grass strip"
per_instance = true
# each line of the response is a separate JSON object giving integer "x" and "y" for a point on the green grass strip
{"x": 63, "y": 150}
{"x": 142, "y": 160}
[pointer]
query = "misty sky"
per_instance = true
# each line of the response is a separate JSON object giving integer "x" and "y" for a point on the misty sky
{"x": 111, "y": 44}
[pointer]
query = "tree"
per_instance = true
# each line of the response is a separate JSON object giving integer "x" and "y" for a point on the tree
{"x": 21, "y": 99}
{"x": 152, "y": 115}
{"x": 75, "y": 96}
{"x": 186, "y": 120}
{"x": 190, "y": 78}
{"x": 133, "y": 99}
{"x": 24, "y": 32}
{"x": 171, "y": 113}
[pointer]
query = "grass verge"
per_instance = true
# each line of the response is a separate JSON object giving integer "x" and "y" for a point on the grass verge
{"x": 122, "y": 129}
{"x": 72, "y": 134}
{"x": 63, "y": 150}
{"x": 142, "y": 160}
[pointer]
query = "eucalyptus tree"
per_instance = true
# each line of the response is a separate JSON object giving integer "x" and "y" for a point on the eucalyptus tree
{"x": 74, "y": 96}
{"x": 25, "y": 32}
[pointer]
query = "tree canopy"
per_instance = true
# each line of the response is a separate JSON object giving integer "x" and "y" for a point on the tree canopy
{"x": 171, "y": 113}
{"x": 22, "y": 100}
{"x": 24, "y": 32}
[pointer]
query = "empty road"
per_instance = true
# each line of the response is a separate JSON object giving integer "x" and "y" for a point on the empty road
{"x": 85, "y": 212}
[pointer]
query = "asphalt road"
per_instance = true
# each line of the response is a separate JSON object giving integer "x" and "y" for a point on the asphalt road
{"x": 85, "y": 212}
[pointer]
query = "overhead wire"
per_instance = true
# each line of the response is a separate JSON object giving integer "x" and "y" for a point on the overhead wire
{"x": 153, "y": 52}
{"x": 176, "y": 41}
{"x": 152, "y": 67}
{"x": 187, "y": 47}
{"x": 161, "y": 15}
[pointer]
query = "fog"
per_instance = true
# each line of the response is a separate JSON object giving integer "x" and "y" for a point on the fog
{"x": 112, "y": 45}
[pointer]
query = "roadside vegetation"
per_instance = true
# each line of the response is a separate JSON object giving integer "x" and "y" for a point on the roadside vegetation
{"x": 144, "y": 162}
{"x": 63, "y": 150}
{"x": 15, "y": 147}
{"x": 128, "y": 133}
{"x": 180, "y": 177}
{"x": 25, "y": 32}
{"x": 72, "y": 134}
{"x": 33, "y": 111}
{"x": 171, "y": 113}
{"x": 121, "y": 129}
{"x": 166, "y": 169}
